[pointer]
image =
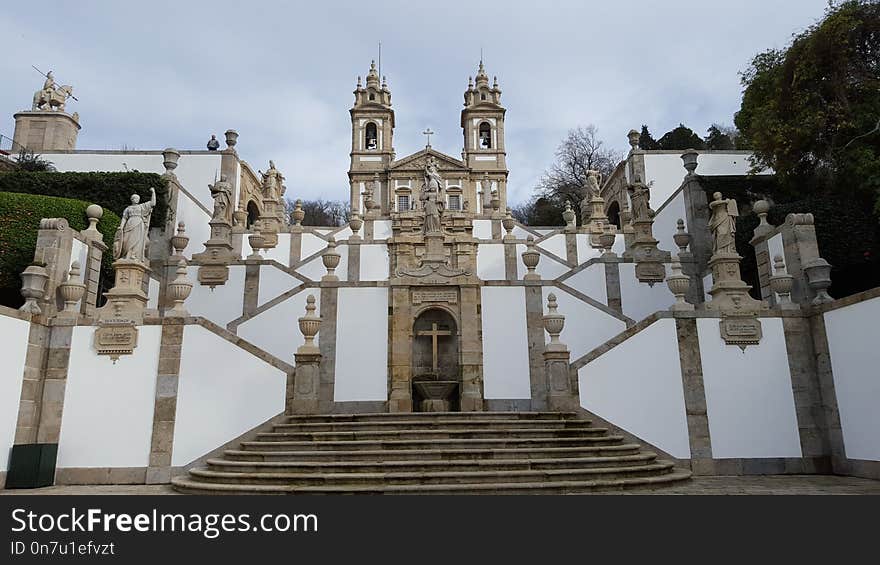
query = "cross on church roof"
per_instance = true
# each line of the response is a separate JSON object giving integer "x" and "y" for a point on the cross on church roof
{"x": 428, "y": 133}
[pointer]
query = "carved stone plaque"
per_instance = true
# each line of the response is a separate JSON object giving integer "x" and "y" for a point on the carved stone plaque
{"x": 213, "y": 275}
{"x": 115, "y": 338}
{"x": 448, "y": 296}
{"x": 741, "y": 330}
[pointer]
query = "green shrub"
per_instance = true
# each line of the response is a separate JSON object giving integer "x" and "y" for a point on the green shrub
{"x": 20, "y": 216}
{"x": 112, "y": 191}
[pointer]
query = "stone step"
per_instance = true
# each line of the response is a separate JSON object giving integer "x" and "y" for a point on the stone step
{"x": 189, "y": 486}
{"x": 403, "y": 416}
{"x": 336, "y": 467}
{"x": 430, "y": 477}
{"x": 405, "y": 444}
{"x": 460, "y": 454}
{"x": 440, "y": 433}
{"x": 431, "y": 424}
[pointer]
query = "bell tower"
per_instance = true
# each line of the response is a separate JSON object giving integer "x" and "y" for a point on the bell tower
{"x": 372, "y": 134}
{"x": 482, "y": 122}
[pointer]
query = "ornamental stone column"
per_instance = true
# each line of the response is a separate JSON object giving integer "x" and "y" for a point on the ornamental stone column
{"x": 304, "y": 385}
{"x": 562, "y": 389}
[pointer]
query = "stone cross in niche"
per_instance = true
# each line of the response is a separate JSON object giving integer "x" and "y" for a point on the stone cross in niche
{"x": 435, "y": 334}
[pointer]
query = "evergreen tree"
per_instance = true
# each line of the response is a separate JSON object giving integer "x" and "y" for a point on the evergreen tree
{"x": 646, "y": 140}
{"x": 681, "y": 138}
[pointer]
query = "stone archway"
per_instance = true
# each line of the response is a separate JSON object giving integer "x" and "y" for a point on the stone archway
{"x": 436, "y": 362}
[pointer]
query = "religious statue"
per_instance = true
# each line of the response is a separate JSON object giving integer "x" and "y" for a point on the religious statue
{"x": 51, "y": 96}
{"x": 270, "y": 182}
{"x": 433, "y": 207}
{"x": 133, "y": 232}
{"x": 221, "y": 192}
{"x": 591, "y": 189}
{"x": 640, "y": 195}
{"x": 722, "y": 224}
{"x": 433, "y": 180}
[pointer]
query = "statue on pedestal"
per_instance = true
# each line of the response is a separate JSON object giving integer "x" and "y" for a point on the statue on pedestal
{"x": 430, "y": 198}
{"x": 51, "y": 96}
{"x": 640, "y": 195}
{"x": 271, "y": 183}
{"x": 722, "y": 224}
{"x": 221, "y": 192}
{"x": 133, "y": 232}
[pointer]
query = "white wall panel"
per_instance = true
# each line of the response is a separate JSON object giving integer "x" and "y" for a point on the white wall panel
{"x": 642, "y": 393}
{"x": 362, "y": 340}
{"x": 311, "y": 244}
{"x": 548, "y": 267}
{"x": 505, "y": 343}
{"x": 590, "y": 281}
{"x": 275, "y": 330}
{"x": 279, "y": 253}
{"x": 374, "y": 262}
{"x": 220, "y": 305}
{"x": 639, "y": 299}
{"x": 197, "y": 227}
{"x": 222, "y": 395}
{"x": 14, "y": 333}
{"x": 108, "y": 408}
{"x": 665, "y": 223}
{"x": 555, "y": 244}
{"x": 855, "y": 358}
{"x": 273, "y": 282}
{"x": 490, "y": 261}
{"x": 196, "y": 172}
{"x": 749, "y": 399}
{"x": 483, "y": 229}
{"x": 586, "y": 327}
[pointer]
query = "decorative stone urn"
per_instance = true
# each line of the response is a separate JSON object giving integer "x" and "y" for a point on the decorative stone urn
{"x": 170, "y": 158}
{"x": 682, "y": 238}
{"x": 309, "y": 325}
{"x": 257, "y": 242}
{"x": 72, "y": 289}
{"x": 231, "y": 138}
{"x": 239, "y": 217}
{"x": 94, "y": 213}
{"x": 781, "y": 282}
{"x": 678, "y": 284}
{"x": 179, "y": 290}
{"x": 633, "y": 137}
{"x": 554, "y": 322}
{"x": 355, "y": 223}
{"x": 298, "y": 213}
{"x": 180, "y": 240}
{"x": 33, "y": 286}
{"x": 569, "y": 216}
{"x": 330, "y": 257}
{"x": 530, "y": 258}
{"x": 689, "y": 158}
{"x": 818, "y": 273}
{"x": 508, "y": 222}
{"x": 606, "y": 240}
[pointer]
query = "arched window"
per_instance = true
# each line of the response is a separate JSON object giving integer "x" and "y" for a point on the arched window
{"x": 483, "y": 96}
{"x": 372, "y": 96}
{"x": 371, "y": 136}
{"x": 485, "y": 135}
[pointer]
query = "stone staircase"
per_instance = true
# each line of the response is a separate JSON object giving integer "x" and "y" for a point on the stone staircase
{"x": 434, "y": 452}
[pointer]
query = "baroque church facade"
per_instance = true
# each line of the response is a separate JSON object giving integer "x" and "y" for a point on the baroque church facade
{"x": 432, "y": 343}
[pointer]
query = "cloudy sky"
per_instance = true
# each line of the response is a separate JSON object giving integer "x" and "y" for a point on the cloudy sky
{"x": 154, "y": 74}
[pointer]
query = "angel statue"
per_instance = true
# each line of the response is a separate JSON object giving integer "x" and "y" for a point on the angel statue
{"x": 723, "y": 224}
{"x": 133, "y": 232}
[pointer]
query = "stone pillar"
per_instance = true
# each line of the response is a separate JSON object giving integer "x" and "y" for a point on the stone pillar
{"x": 304, "y": 385}
{"x": 251, "y": 296}
{"x": 762, "y": 233}
{"x": 612, "y": 282}
{"x": 296, "y": 232}
{"x": 694, "y": 396}
{"x": 510, "y": 264}
{"x": 165, "y": 401}
{"x": 648, "y": 258}
{"x": 562, "y": 386}
{"x": 354, "y": 260}
{"x": 327, "y": 345}
{"x": 214, "y": 260}
{"x": 571, "y": 248}
{"x": 535, "y": 335}
{"x": 53, "y": 251}
{"x": 44, "y": 131}
{"x": 31, "y": 397}
{"x": 400, "y": 341}
{"x": 696, "y": 207}
{"x": 801, "y": 248}
{"x": 55, "y": 380}
{"x": 127, "y": 296}
{"x": 471, "y": 351}
{"x": 92, "y": 268}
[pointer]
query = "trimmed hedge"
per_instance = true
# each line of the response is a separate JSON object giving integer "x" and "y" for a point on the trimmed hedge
{"x": 112, "y": 191}
{"x": 20, "y": 216}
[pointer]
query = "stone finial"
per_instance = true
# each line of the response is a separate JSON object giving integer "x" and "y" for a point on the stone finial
{"x": 257, "y": 242}
{"x": 678, "y": 284}
{"x": 170, "y": 157}
{"x": 606, "y": 240}
{"x": 298, "y": 213}
{"x": 682, "y": 238}
{"x": 633, "y": 137}
{"x": 530, "y": 258}
{"x": 689, "y": 159}
{"x": 508, "y": 222}
{"x": 33, "y": 287}
{"x": 94, "y": 213}
{"x": 569, "y": 216}
{"x": 818, "y": 273}
{"x": 781, "y": 282}
{"x": 309, "y": 325}
{"x": 179, "y": 290}
{"x": 761, "y": 208}
{"x": 554, "y": 322}
{"x": 179, "y": 240}
{"x": 330, "y": 258}
{"x": 231, "y": 138}
{"x": 355, "y": 223}
{"x": 72, "y": 289}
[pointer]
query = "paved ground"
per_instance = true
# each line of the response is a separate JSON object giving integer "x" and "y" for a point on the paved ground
{"x": 778, "y": 484}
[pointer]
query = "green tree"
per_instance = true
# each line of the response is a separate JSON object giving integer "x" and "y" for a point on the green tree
{"x": 718, "y": 139}
{"x": 812, "y": 111}
{"x": 681, "y": 138}
{"x": 646, "y": 140}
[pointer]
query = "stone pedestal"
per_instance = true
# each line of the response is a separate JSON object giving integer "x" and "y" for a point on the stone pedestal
{"x": 648, "y": 258}
{"x": 214, "y": 260}
{"x": 304, "y": 384}
{"x": 728, "y": 291}
{"x": 41, "y": 131}
{"x": 562, "y": 391}
{"x": 127, "y": 298}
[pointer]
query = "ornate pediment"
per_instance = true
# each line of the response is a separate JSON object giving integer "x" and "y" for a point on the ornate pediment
{"x": 417, "y": 162}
